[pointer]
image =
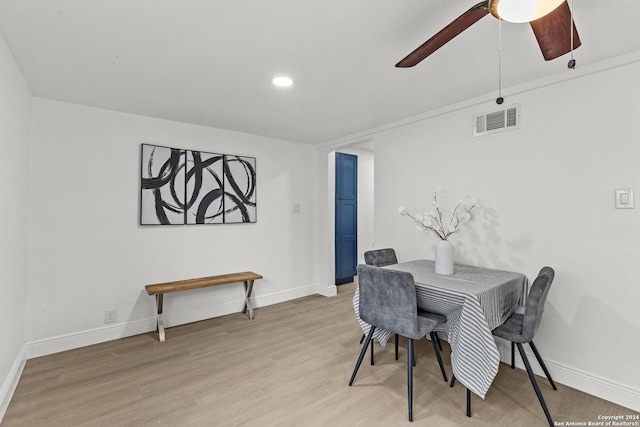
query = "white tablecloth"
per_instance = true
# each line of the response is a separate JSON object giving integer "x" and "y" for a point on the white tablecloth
{"x": 475, "y": 301}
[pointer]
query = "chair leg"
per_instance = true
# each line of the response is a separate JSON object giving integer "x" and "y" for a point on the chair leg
{"x": 413, "y": 354}
{"x": 362, "y": 338}
{"x": 453, "y": 380}
{"x": 438, "y": 339}
{"x": 434, "y": 340}
{"x": 513, "y": 359}
{"x": 534, "y": 383}
{"x": 362, "y": 353}
{"x": 397, "y": 342}
{"x": 372, "y": 341}
{"x": 410, "y": 362}
{"x": 542, "y": 365}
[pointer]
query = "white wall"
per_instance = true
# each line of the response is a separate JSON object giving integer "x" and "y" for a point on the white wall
{"x": 547, "y": 196}
{"x": 15, "y": 116}
{"x": 87, "y": 252}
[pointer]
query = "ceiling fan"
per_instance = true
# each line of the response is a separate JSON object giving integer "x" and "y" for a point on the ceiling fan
{"x": 552, "y": 24}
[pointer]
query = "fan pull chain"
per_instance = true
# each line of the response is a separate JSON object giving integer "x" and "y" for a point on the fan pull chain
{"x": 500, "y": 99}
{"x": 572, "y": 62}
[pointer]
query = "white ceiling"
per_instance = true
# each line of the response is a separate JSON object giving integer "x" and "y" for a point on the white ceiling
{"x": 210, "y": 62}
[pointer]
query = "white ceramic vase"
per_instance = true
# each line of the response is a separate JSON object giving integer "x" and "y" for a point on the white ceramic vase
{"x": 444, "y": 257}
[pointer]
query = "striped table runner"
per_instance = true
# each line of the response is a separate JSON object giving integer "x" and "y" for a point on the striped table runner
{"x": 475, "y": 301}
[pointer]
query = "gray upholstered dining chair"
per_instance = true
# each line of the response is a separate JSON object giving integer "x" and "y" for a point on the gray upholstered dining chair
{"x": 380, "y": 257}
{"x": 521, "y": 327}
{"x": 383, "y": 258}
{"x": 388, "y": 300}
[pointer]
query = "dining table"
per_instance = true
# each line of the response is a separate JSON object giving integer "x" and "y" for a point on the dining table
{"x": 475, "y": 300}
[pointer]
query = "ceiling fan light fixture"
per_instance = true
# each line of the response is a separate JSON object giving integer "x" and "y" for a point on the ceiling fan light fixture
{"x": 519, "y": 11}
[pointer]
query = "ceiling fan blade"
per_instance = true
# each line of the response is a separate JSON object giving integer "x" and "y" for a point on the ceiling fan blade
{"x": 553, "y": 32}
{"x": 445, "y": 35}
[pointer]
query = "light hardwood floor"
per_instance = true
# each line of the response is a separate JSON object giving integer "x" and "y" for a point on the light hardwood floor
{"x": 288, "y": 367}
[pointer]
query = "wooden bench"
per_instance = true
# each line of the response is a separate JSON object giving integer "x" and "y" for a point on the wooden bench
{"x": 160, "y": 289}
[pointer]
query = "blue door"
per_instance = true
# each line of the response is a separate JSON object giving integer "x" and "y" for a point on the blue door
{"x": 346, "y": 221}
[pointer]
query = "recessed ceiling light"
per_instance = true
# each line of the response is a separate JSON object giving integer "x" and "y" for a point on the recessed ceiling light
{"x": 282, "y": 81}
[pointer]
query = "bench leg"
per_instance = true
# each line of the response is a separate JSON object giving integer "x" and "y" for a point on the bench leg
{"x": 160, "y": 325}
{"x": 247, "y": 307}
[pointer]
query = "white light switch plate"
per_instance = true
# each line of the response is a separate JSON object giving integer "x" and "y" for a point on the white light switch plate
{"x": 624, "y": 198}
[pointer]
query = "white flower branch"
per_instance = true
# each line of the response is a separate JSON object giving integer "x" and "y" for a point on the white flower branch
{"x": 432, "y": 221}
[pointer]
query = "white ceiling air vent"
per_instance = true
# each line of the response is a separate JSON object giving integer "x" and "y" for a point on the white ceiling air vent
{"x": 497, "y": 121}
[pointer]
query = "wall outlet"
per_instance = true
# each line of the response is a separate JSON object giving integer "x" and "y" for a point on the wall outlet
{"x": 110, "y": 315}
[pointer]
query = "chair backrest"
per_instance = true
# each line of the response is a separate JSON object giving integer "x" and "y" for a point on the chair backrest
{"x": 535, "y": 302}
{"x": 380, "y": 257}
{"x": 388, "y": 300}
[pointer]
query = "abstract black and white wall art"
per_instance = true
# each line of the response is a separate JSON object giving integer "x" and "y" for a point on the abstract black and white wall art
{"x": 162, "y": 195}
{"x": 205, "y": 188}
{"x": 196, "y": 187}
{"x": 239, "y": 189}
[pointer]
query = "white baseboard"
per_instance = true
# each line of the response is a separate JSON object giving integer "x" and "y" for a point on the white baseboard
{"x": 106, "y": 333}
{"x": 11, "y": 381}
{"x": 612, "y": 391}
{"x": 84, "y": 338}
{"x": 327, "y": 291}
